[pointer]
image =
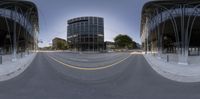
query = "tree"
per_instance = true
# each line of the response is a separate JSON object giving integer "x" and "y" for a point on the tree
{"x": 61, "y": 45}
{"x": 123, "y": 41}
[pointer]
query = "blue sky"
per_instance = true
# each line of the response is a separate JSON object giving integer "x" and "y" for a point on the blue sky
{"x": 120, "y": 17}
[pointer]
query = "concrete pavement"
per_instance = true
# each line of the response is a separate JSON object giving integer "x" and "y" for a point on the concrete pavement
{"x": 43, "y": 80}
{"x": 174, "y": 71}
{"x": 9, "y": 70}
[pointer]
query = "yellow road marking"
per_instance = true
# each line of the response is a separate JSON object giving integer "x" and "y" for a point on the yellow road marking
{"x": 89, "y": 69}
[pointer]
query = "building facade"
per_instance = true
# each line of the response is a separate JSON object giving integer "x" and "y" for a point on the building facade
{"x": 86, "y": 33}
{"x": 109, "y": 45}
{"x": 171, "y": 27}
{"x": 59, "y": 44}
{"x": 18, "y": 26}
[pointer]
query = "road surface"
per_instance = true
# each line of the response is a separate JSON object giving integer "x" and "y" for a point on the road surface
{"x": 49, "y": 79}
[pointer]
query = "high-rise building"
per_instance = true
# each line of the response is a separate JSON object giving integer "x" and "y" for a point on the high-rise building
{"x": 86, "y": 33}
{"x": 171, "y": 27}
{"x": 18, "y": 26}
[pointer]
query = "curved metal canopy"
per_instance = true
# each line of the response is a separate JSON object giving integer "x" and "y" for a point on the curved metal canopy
{"x": 150, "y": 7}
{"x": 26, "y": 7}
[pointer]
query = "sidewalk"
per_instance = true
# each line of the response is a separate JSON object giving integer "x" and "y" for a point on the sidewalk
{"x": 9, "y": 70}
{"x": 174, "y": 71}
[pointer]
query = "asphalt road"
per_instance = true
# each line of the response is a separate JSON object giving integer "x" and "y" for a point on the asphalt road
{"x": 49, "y": 79}
{"x": 89, "y": 60}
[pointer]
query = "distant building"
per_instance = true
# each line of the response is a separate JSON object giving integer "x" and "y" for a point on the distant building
{"x": 86, "y": 33}
{"x": 109, "y": 45}
{"x": 45, "y": 48}
{"x": 138, "y": 45}
{"x": 134, "y": 46}
{"x": 59, "y": 44}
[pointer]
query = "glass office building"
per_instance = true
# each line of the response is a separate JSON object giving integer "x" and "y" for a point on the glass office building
{"x": 86, "y": 33}
{"x": 18, "y": 26}
{"x": 171, "y": 27}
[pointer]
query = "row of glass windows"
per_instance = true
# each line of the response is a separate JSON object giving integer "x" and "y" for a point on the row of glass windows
{"x": 80, "y": 33}
{"x": 85, "y": 23}
{"x": 90, "y": 19}
{"x": 85, "y": 27}
{"x": 91, "y": 31}
{"x": 86, "y": 30}
{"x": 87, "y": 40}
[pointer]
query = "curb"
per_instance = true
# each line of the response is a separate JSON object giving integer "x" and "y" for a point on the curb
{"x": 172, "y": 76}
{"x": 17, "y": 71}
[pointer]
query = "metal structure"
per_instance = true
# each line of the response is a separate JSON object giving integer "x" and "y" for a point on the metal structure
{"x": 171, "y": 26}
{"x": 18, "y": 26}
{"x": 86, "y": 34}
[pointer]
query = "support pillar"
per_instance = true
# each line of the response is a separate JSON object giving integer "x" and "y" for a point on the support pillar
{"x": 14, "y": 57}
{"x": 183, "y": 55}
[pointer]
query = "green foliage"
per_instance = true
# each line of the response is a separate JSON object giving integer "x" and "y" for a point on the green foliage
{"x": 123, "y": 41}
{"x": 62, "y": 45}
